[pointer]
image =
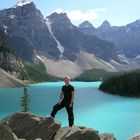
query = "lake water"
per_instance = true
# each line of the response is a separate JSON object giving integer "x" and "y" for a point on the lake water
{"x": 92, "y": 108}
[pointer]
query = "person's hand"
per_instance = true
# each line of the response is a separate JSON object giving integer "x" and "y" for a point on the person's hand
{"x": 70, "y": 105}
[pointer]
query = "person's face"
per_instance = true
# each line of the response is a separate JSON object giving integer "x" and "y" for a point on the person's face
{"x": 67, "y": 81}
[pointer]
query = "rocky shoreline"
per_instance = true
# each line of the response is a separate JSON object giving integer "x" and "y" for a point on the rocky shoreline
{"x": 9, "y": 81}
{"x": 26, "y": 126}
{"x": 135, "y": 137}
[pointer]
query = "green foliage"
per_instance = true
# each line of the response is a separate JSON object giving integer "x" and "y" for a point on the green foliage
{"x": 37, "y": 72}
{"x": 3, "y": 44}
{"x": 127, "y": 84}
{"x": 9, "y": 58}
{"x": 95, "y": 75}
{"x": 5, "y": 48}
{"x": 32, "y": 72}
{"x": 25, "y": 101}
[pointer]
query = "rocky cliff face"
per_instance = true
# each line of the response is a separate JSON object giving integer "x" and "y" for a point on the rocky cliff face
{"x": 29, "y": 127}
{"x": 125, "y": 38}
{"x": 6, "y": 133}
{"x": 74, "y": 41}
{"x": 87, "y": 28}
{"x": 7, "y": 80}
{"x": 135, "y": 137}
{"x": 9, "y": 61}
{"x": 27, "y": 22}
{"x": 53, "y": 36}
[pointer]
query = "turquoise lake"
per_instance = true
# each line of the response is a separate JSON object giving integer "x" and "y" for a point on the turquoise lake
{"x": 92, "y": 108}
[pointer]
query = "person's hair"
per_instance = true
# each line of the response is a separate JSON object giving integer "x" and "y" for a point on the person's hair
{"x": 68, "y": 77}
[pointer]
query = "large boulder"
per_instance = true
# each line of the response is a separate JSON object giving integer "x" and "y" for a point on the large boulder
{"x": 76, "y": 133}
{"x": 107, "y": 136}
{"x": 6, "y": 133}
{"x": 26, "y": 126}
{"x": 30, "y": 127}
{"x": 135, "y": 137}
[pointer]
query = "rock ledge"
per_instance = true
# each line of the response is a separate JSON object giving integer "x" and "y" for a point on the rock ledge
{"x": 26, "y": 126}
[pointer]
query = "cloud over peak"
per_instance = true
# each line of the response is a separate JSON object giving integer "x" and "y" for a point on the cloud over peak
{"x": 76, "y": 15}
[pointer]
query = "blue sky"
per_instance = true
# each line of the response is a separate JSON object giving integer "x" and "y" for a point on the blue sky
{"x": 117, "y": 12}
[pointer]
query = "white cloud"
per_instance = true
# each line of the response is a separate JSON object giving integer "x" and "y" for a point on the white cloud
{"x": 58, "y": 11}
{"x": 100, "y": 10}
{"x": 81, "y": 15}
{"x": 76, "y": 15}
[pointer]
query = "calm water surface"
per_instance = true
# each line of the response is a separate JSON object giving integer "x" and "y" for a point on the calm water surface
{"x": 92, "y": 108}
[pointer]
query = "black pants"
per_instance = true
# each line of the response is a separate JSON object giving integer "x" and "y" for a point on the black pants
{"x": 69, "y": 111}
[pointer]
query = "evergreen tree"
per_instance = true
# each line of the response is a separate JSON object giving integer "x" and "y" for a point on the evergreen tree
{"x": 25, "y": 101}
{"x": 127, "y": 84}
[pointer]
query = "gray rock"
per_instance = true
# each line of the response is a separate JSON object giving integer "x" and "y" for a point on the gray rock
{"x": 6, "y": 133}
{"x": 107, "y": 136}
{"x": 74, "y": 42}
{"x": 135, "y": 137}
{"x": 28, "y": 28}
{"x": 25, "y": 25}
{"x": 35, "y": 139}
{"x": 9, "y": 60}
{"x": 76, "y": 133}
{"x": 125, "y": 38}
{"x": 29, "y": 127}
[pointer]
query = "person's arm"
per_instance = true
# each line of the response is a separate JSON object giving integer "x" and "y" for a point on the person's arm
{"x": 61, "y": 96}
{"x": 72, "y": 99}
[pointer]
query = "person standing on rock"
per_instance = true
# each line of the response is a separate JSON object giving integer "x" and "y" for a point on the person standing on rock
{"x": 66, "y": 100}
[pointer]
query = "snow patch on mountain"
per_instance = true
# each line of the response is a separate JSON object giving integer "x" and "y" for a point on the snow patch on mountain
{"x": 123, "y": 58}
{"x": 137, "y": 57}
{"x": 59, "y": 46}
{"x": 40, "y": 58}
{"x": 22, "y": 3}
{"x": 12, "y": 16}
{"x": 127, "y": 30}
{"x": 5, "y": 28}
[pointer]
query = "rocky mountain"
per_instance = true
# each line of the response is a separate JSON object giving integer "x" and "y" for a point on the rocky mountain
{"x": 54, "y": 41}
{"x": 7, "y": 80}
{"x": 54, "y": 36}
{"x": 84, "y": 61}
{"x": 86, "y": 24}
{"x": 30, "y": 127}
{"x": 87, "y": 28}
{"x": 105, "y": 26}
{"x": 125, "y": 38}
{"x": 9, "y": 60}
{"x": 25, "y": 25}
{"x": 72, "y": 41}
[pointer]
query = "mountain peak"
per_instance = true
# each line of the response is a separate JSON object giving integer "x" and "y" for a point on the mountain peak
{"x": 60, "y": 18}
{"x": 138, "y": 21}
{"x": 55, "y": 14}
{"x": 105, "y": 24}
{"x": 135, "y": 22}
{"x": 22, "y": 3}
{"x": 85, "y": 24}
